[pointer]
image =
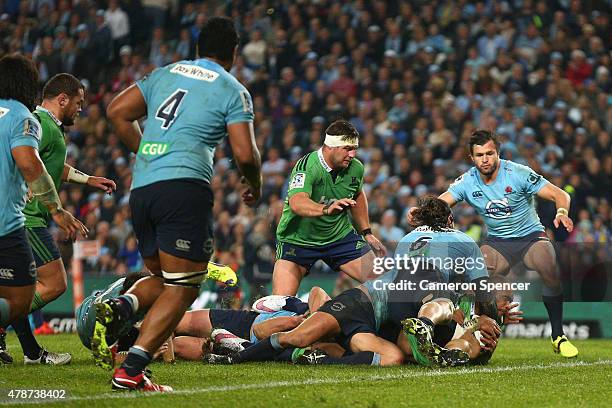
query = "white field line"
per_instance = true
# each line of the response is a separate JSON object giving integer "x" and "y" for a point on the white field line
{"x": 322, "y": 381}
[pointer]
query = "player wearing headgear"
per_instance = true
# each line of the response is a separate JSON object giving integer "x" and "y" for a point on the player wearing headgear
{"x": 502, "y": 192}
{"x": 190, "y": 107}
{"x": 324, "y": 187}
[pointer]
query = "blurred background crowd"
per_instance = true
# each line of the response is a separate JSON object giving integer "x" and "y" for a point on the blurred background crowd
{"x": 414, "y": 77}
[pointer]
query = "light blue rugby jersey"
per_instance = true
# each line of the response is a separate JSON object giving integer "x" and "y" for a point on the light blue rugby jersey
{"x": 454, "y": 254}
{"x": 507, "y": 206}
{"x": 18, "y": 127}
{"x": 189, "y": 105}
{"x": 267, "y": 316}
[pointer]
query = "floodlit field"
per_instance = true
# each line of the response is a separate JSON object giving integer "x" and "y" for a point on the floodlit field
{"x": 522, "y": 373}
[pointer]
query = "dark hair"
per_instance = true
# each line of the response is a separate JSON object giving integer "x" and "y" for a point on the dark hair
{"x": 344, "y": 128}
{"x": 218, "y": 38}
{"x": 432, "y": 212}
{"x": 132, "y": 278}
{"x": 19, "y": 80}
{"x": 62, "y": 83}
{"x": 481, "y": 137}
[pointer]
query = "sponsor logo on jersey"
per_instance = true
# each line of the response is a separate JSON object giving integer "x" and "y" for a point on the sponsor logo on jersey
{"x": 183, "y": 245}
{"x": 153, "y": 148}
{"x": 7, "y": 273}
{"x": 457, "y": 180}
{"x": 4, "y": 111}
{"x": 247, "y": 105}
{"x": 32, "y": 128}
{"x": 195, "y": 72}
{"x": 298, "y": 181}
{"x": 477, "y": 194}
{"x": 498, "y": 209}
{"x": 534, "y": 178}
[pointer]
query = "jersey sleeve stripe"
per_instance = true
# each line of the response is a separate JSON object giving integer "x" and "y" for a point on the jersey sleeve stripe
{"x": 304, "y": 163}
{"x": 299, "y": 162}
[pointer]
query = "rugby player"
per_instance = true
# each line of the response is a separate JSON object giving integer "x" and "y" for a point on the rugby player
{"x": 63, "y": 97}
{"x": 502, "y": 193}
{"x": 324, "y": 187}
{"x": 20, "y": 165}
{"x": 190, "y": 107}
{"x": 457, "y": 325}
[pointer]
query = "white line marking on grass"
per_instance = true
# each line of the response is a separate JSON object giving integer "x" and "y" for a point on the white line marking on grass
{"x": 323, "y": 381}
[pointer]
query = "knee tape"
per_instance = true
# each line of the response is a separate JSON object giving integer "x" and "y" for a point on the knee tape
{"x": 186, "y": 279}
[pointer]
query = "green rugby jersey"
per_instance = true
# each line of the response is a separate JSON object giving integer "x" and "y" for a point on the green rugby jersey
{"x": 52, "y": 151}
{"x": 312, "y": 175}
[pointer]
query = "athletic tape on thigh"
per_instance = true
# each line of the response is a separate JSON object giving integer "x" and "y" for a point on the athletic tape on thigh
{"x": 191, "y": 279}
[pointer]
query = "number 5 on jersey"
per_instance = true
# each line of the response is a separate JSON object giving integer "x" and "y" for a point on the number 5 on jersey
{"x": 168, "y": 110}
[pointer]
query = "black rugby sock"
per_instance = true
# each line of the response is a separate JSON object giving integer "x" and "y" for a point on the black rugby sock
{"x": 554, "y": 307}
{"x": 29, "y": 345}
{"x": 362, "y": 357}
{"x": 262, "y": 351}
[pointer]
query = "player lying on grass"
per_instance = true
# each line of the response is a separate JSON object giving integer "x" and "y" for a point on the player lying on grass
{"x": 459, "y": 325}
{"x": 367, "y": 320}
{"x": 111, "y": 314}
{"x": 222, "y": 330}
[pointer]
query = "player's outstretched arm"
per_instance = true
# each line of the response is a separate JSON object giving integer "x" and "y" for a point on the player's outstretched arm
{"x": 301, "y": 204}
{"x": 41, "y": 185}
{"x": 72, "y": 175}
{"x": 123, "y": 112}
{"x": 562, "y": 202}
{"x": 248, "y": 159}
{"x": 362, "y": 220}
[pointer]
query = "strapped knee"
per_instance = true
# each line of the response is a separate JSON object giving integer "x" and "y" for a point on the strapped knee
{"x": 185, "y": 279}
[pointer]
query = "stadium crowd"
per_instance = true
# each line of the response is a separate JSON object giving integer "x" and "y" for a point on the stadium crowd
{"x": 414, "y": 77}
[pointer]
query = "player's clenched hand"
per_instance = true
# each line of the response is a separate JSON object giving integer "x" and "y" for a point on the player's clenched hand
{"x": 340, "y": 205}
{"x": 251, "y": 195}
{"x": 490, "y": 331}
{"x": 377, "y": 246}
{"x": 509, "y": 316}
{"x": 566, "y": 221}
{"x": 104, "y": 184}
{"x": 70, "y": 225}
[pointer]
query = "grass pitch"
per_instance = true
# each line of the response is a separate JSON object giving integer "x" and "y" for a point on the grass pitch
{"x": 521, "y": 373}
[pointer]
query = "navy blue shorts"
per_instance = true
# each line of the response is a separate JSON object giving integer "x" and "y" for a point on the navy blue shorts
{"x": 354, "y": 313}
{"x": 43, "y": 245}
{"x": 336, "y": 254}
{"x": 239, "y": 322}
{"x": 17, "y": 266}
{"x": 174, "y": 216}
{"x": 514, "y": 249}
